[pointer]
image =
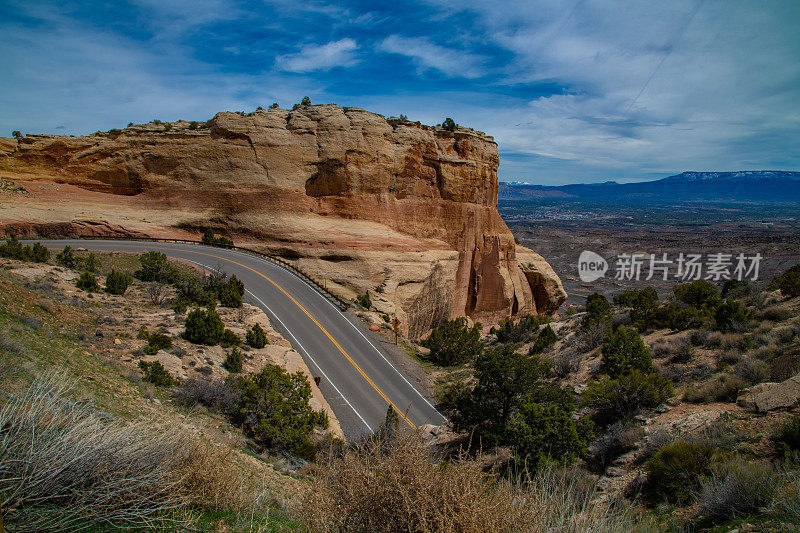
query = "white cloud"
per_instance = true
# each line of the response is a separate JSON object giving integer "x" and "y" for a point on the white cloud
{"x": 426, "y": 55}
{"x": 313, "y": 57}
{"x": 720, "y": 88}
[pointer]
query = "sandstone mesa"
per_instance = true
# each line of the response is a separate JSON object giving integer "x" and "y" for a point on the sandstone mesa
{"x": 405, "y": 211}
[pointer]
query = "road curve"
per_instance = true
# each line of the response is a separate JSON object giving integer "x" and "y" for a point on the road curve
{"x": 358, "y": 381}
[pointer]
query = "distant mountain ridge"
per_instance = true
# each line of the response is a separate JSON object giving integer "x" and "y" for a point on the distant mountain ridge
{"x": 752, "y": 185}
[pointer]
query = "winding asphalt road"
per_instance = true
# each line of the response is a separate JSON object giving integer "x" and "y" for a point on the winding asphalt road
{"x": 358, "y": 380}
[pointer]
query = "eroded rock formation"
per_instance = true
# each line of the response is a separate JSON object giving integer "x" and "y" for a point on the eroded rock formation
{"x": 366, "y": 203}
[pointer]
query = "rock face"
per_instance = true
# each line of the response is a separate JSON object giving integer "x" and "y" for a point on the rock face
{"x": 405, "y": 211}
{"x": 766, "y": 397}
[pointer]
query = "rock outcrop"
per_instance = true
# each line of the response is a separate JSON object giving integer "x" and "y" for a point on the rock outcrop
{"x": 403, "y": 210}
{"x": 766, "y": 397}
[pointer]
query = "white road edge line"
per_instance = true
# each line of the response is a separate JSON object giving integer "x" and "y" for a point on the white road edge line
{"x": 299, "y": 344}
{"x": 360, "y": 333}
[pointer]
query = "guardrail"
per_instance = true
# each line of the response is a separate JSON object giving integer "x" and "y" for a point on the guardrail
{"x": 344, "y": 305}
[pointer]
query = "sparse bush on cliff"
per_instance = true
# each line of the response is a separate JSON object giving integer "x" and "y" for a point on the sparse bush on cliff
{"x": 155, "y": 373}
{"x": 788, "y": 283}
{"x": 623, "y": 351}
{"x": 700, "y": 293}
{"x": 212, "y": 240}
{"x": 364, "y": 301}
{"x": 503, "y": 378}
{"x": 612, "y": 400}
{"x": 87, "y": 282}
{"x": 13, "y": 249}
{"x": 675, "y": 472}
{"x": 521, "y": 331}
{"x": 229, "y": 338}
{"x": 16, "y": 134}
{"x": 546, "y": 338}
{"x": 156, "y": 267}
{"x": 233, "y": 361}
{"x": 454, "y": 343}
{"x": 204, "y": 326}
{"x": 256, "y": 337}
{"x": 193, "y": 125}
{"x": 66, "y": 258}
{"x": 449, "y": 124}
{"x": 117, "y": 283}
{"x": 731, "y": 315}
{"x": 274, "y": 105}
{"x": 642, "y": 303}
{"x": 274, "y": 410}
{"x": 305, "y": 101}
{"x": 157, "y": 341}
{"x": 545, "y": 431}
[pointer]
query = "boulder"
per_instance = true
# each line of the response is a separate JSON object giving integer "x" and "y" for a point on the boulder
{"x": 766, "y": 397}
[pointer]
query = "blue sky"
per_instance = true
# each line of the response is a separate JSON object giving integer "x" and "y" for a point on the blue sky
{"x": 573, "y": 91}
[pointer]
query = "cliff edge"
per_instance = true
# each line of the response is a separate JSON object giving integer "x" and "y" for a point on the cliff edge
{"x": 405, "y": 211}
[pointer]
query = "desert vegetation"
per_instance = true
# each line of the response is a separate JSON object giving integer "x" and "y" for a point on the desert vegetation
{"x": 609, "y": 419}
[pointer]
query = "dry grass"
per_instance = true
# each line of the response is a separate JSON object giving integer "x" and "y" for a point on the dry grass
{"x": 65, "y": 467}
{"x": 398, "y": 486}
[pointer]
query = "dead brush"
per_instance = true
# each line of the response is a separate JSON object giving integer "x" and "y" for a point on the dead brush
{"x": 397, "y": 485}
{"x": 64, "y": 468}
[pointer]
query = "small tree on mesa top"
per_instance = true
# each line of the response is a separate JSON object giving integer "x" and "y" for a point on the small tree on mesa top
{"x": 305, "y": 101}
{"x": 256, "y": 337}
{"x": 449, "y": 124}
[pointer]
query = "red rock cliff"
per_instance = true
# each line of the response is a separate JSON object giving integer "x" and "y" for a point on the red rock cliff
{"x": 406, "y": 211}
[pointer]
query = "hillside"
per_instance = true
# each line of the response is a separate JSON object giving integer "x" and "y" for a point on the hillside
{"x": 363, "y": 202}
{"x": 746, "y": 186}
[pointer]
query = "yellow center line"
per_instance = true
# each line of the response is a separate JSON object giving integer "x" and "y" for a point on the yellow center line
{"x": 355, "y": 365}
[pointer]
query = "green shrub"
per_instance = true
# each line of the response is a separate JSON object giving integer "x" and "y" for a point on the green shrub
{"x": 502, "y": 379}
{"x": 229, "y": 338}
{"x": 597, "y": 307}
{"x": 449, "y": 124}
{"x": 157, "y": 341}
{"x": 13, "y": 249}
{"x": 788, "y": 282}
{"x": 680, "y": 318}
{"x": 543, "y": 431}
{"x": 700, "y": 293}
{"x": 454, "y": 343}
{"x": 546, "y": 338}
{"x": 521, "y": 331}
{"x": 256, "y": 337}
{"x": 180, "y": 306}
{"x": 91, "y": 264}
{"x": 40, "y": 253}
{"x": 117, "y": 282}
{"x": 623, "y": 351}
{"x": 612, "y": 400}
{"x": 675, "y": 472}
{"x": 274, "y": 410}
{"x": 230, "y": 293}
{"x": 731, "y": 315}
{"x": 364, "y": 301}
{"x": 66, "y": 258}
{"x": 155, "y": 373}
{"x": 88, "y": 282}
{"x": 193, "y": 124}
{"x": 233, "y": 361}
{"x": 156, "y": 267}
{"x": 643, "y": 304}
{"x": 204, "y": 326}
{"x": 305, "y": 101}
{"x": 790, "y": 285}
{"x": 143, "y": 333}
{"x": 720, "y": 388}
{"x": 787, "y": 437}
